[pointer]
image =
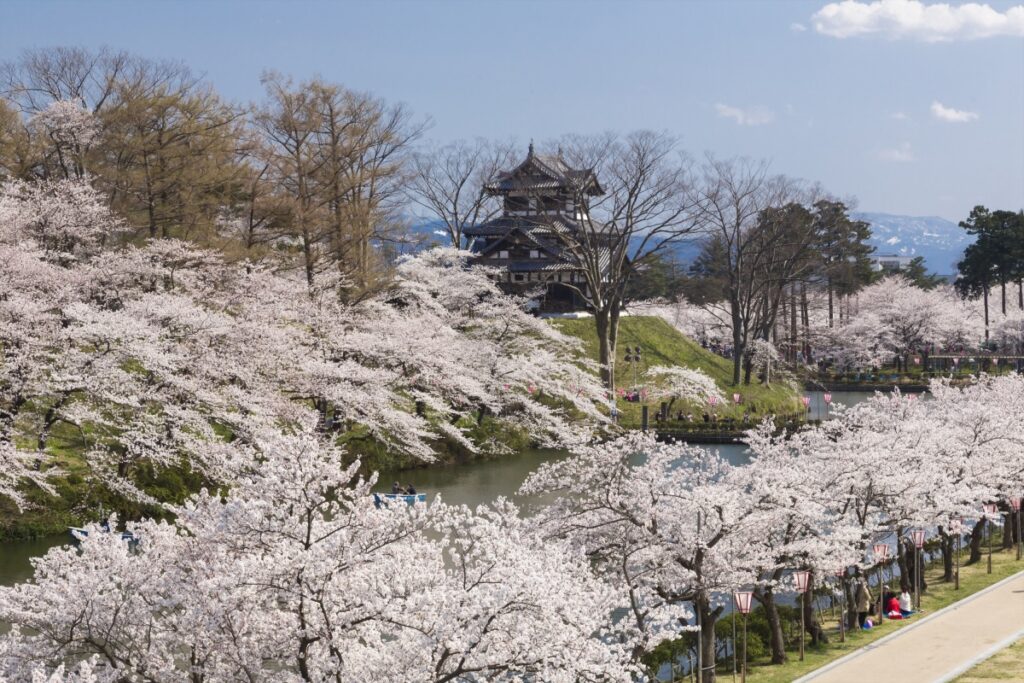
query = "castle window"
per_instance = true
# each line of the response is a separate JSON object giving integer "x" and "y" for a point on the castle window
{"x": 534, "y": 253}
{"x": 519, "y": 277}
{"x": 503, "y": 254}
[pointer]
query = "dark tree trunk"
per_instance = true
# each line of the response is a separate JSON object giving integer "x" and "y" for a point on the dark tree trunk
{"x": 776, "y": 640}
{"x": 947, "y": 546}
{"x": 606, "y": 352}
{"x": 811, "y": 623}
{"x": 708, "y": 619}
{"x": 977, "y": 534}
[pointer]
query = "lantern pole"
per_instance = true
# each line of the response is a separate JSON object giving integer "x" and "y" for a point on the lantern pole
{"x": 918, "y": 537}
{"x": 1015, "y": 504}
{"x": 734, "y": 647}
{"x": 743, "y": 601}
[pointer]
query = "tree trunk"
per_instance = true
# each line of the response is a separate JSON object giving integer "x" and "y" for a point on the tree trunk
{"x": 792, "y": 324}
{"x": 708, "y": 619}
{"x": 976, "y": 537}
{"x": 947, "y": 545}
{"x": 776, "y": 640}
{"x": 906, "y": 563}
{"x": 985, "y": 292}
{"x": 1002, "y": 287}
{"x": 811, "y": 623}
{"x": 737, "y": 343}
{"x": 831, "y": 315}
{"x": 1009, "y": 524}
{"x": 805, "y": 314}
{"x": 606, "y": 353}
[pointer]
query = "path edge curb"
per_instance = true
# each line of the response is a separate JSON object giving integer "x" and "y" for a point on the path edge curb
{"x": 811, "y": 675}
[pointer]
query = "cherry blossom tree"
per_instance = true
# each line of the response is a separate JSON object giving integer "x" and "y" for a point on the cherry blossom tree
{"x": 294, "y": 575}
{"x": 667, "y": 524}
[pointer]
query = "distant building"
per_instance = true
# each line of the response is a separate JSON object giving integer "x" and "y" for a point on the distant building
{"x": 890, "y": 263}
{"x": 528, "y": 242}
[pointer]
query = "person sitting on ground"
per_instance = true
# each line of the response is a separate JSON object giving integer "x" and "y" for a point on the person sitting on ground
{"x": 893, "y": 608}
{"x": 396, "y": 488}
{"x": 410, "y": 490}
{"x": 707, "y": 418}
{"x": 906, "y": 603}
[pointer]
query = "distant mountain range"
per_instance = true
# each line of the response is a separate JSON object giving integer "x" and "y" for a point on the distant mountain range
{"x": 939, "y": 241}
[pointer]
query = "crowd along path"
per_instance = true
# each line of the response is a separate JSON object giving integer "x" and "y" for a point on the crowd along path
{"x": 942, "y": 645}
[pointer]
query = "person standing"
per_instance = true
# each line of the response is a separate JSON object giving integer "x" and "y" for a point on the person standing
{"x": 861, "y": 598}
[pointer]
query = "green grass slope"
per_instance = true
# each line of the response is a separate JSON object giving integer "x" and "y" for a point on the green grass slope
{"x": 662, "y": 344}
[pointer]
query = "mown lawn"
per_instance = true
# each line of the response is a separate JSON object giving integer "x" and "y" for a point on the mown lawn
{"x": 662, "y": 344}
{"x": 972, "y": 579}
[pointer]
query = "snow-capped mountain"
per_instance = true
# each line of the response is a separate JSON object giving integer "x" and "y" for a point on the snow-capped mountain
{"x": 939, "y": 241}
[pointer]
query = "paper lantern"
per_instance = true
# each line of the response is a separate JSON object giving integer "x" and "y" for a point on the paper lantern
{"x": 743, "y": 600}
{"x": 881, "y": 551}
{"x": 917, "y": 536}
{"x": 828, "y": 398}
{"x": 803, "y": 579}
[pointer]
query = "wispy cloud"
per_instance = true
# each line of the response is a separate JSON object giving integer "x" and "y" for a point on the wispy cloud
{"x": 902, "y": 154}
{"x": 950, "y": 115}
{"x": 746, "y": 116}
{"x": 899, "y": 116}
{"x": 797, "y": 27}
{"x": 915, "y": 20}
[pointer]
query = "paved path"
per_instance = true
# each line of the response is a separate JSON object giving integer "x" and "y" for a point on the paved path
{"x": 941, "y": 646}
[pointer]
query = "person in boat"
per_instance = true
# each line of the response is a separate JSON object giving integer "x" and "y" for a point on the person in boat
{"x": 397, "y": 489}
{"x": 410, "y": 490}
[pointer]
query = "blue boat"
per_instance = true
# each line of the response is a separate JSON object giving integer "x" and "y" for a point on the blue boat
{"x": 380, "y": 499}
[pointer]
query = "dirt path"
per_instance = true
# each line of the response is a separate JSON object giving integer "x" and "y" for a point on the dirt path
{"x": 942, "y": 645}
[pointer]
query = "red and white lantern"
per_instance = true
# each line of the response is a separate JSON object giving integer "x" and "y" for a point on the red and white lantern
{"x": 713, "y": 400}
{"x": 827, "y": 397}
{"x": 803, "y": 579}
{"x": 917, "y": 536}
{"x": 1015, "y": 504}
{"x": 743, "y": 601}
{"x": 991, "y": 509}
{"x": 736, "y": 398}
{"x": 806, "y": 400}
{"x": 881, "y": 551}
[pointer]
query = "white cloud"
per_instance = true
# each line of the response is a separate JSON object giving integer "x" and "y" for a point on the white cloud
{"x": 916, "y": 20}
{"x": 749, "y": 116}
{"x": 951, "y": 115}
{"x": 899, "y": 116}
{"x": 897, "y": 155}
{"x": 797, "y": 27}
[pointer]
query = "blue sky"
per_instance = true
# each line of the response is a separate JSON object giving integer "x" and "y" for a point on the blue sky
{"x": 843, "y": 96}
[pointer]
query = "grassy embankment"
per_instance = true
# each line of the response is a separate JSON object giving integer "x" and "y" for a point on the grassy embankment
{"x": 973, "y": 578}
{"x": 662, "y": 344}
{"x": 79, "y": 497}
{"x": 1005, "y": 665}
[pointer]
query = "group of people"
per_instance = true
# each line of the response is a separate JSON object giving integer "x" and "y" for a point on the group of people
{"x": 397, "y": 490}
{"x": 896, "y": 606}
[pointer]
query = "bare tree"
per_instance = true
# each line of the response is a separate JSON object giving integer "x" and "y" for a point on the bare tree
{"x": 448, "y": 183}
{"x": 731, "y": 204}
{"x": 641, "y": 210}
